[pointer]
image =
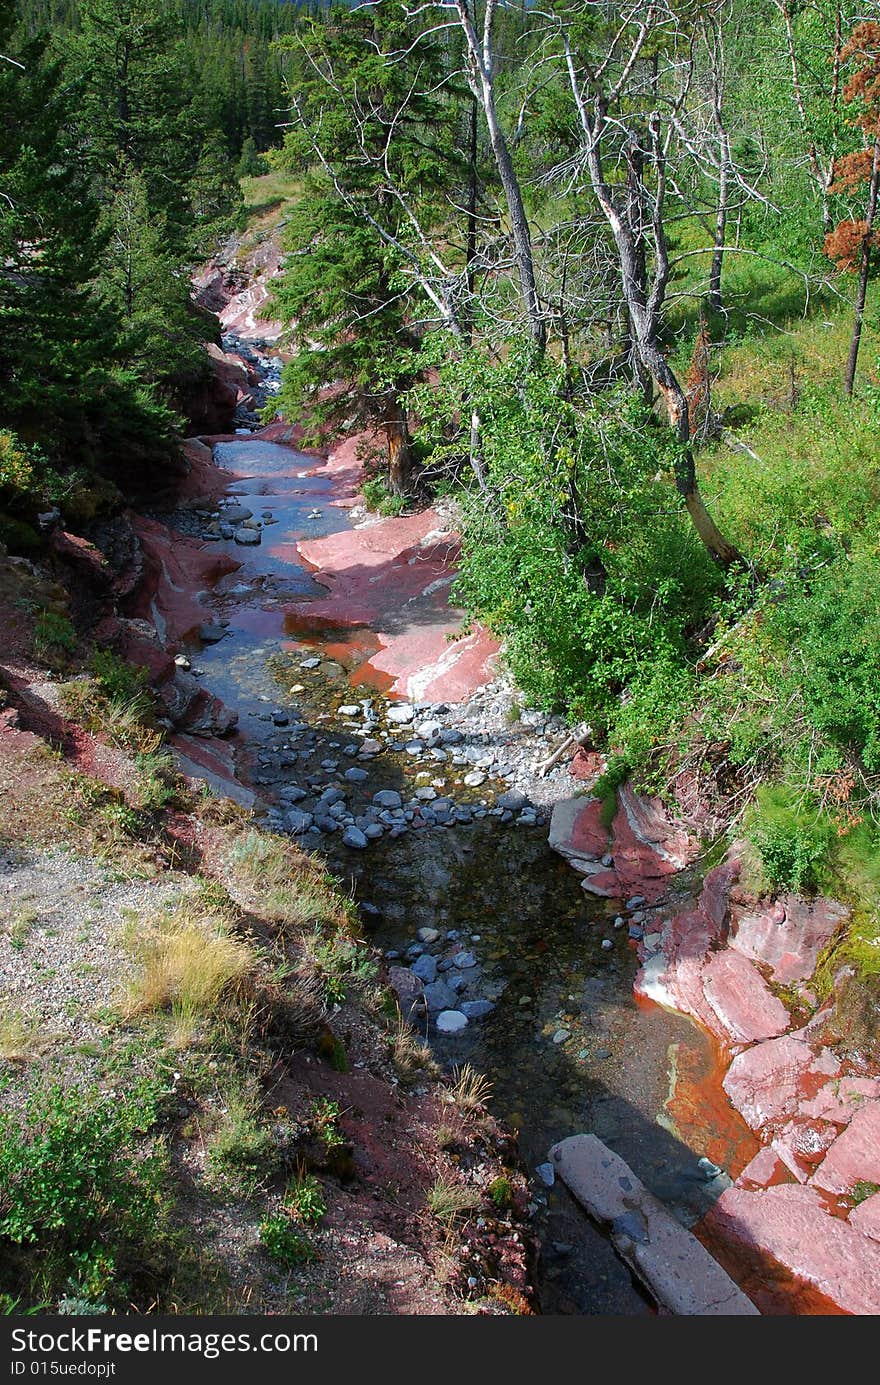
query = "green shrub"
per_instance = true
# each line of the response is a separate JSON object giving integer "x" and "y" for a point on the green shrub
{"x": 501, "y": 1191}
{"x": 242, "y": 1154}
{"x": 793, "y": 840}
{"x": 304, "y": 1200}
{"x": 54, "y": 636}
{"x": 118, "y": 680}
{"x": 285, "y": 1241}
{"x": 81, "y": 1185}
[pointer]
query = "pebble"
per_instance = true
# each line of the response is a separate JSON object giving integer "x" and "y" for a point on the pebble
{"x": 425, "y": 968}
{"x": 428, "y": 935}
{"x": 355, "y": 775}
{"x": 636, "y": 902}
{"x": 547, "y": 1174}
{"x": 474, "y": 779}
{"x": 388, "y": 798}
{"x": 349, "y": 710}
{"x": 354, "y": 837}
{"x": 310, "y": 663}
{"x": 451, "y": 1022}
{"x": 400, "y": 715}
{"x": 247, "y": 536}
{"x": 297, "y": 821}
{"x": 561, "y": 1035}
{"x": 607, "y": 944}
{"x": 707, "y": 1169}
{"x": 603, "y": 1053}
{"x": 512, "y": 799}
{"x": 464, "y": 961}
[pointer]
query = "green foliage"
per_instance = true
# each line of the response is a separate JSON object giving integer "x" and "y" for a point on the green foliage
{"x": 380, "y": 498}
{"x": 81, "y": 1184}
{"x": 792, "y": 839}
{"x": 501, "y": 1191}
{"x": 286, "y": 1242}
{"x": 339, "y": 960}
{"x": 304, "y": 1200}
{"x": 242, "y": 1155}
{"x": 54, "y": 636}
{"x": 324, "y": 1120}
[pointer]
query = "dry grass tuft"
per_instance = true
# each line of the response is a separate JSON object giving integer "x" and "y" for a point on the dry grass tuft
{"x": 187, "y": 961}
{"x": 469, "y": 1089}
{"x": 20, "y": 1039}
{"x": 411, "y": 1058}
{"x": 448, "y": 1200}
{"x": 288, "y": 887}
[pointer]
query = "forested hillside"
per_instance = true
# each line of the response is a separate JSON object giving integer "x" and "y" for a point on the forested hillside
{"x": 606, "y": 272}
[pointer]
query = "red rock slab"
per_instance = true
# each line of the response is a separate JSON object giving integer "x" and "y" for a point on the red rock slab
{"x": 866, "y": 1217}
{"x": 789, "y": 945}
{"x": 764, "y": 1171}
{"x": 639, "y": 866}
{"x": 429, "y": 667}
{"x": 839, "y": 1099}
{"x": 747, "y": 1009}
{"x": 855, "y": 1155}
{"x": 576, "y": 829}
{"x": 768, "y": 1083}
{"x": 802, "y": 1144}
{"x": 715, "y": 894}
{"x": 673, "y": 976}
{"x": 651, "y": 824}
{"x": 587, "y": 765}
{"x": 790, "y": 1224}
{"x": 214, "y": 762}
{"x": 176, "y": 569}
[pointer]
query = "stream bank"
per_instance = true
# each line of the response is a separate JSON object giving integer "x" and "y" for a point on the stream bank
{"x": 368, "y": 691}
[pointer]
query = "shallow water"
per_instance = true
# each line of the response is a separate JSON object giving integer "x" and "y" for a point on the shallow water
{"x": 567, "y": 1048}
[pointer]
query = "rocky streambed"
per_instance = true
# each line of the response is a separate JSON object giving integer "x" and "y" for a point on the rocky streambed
{"x": 379, "y": 732}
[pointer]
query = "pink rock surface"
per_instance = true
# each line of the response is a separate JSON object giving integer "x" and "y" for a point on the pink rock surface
{"x": 673, "y": 977}
{"x": 394, "y": 578}
{"x": 839, "y": 1099}
{"x": 576, "y": 829}
{"x": 790, "y": 1223}
{"x": 802, "y": 1143}
{"x": 768, "y": 1082}
{"x": 745, "y": 1006}
{"x": 651, "y": 824}
{"x": 788, "y": 935}
{"x": 765, "y": 1170}
{"x": 639, "y": 866}
{"x": 866, "y": 1217}
{"x": 855, "y": 1155}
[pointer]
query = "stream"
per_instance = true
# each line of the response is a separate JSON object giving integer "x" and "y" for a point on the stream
{"x": 562, "y": 1040}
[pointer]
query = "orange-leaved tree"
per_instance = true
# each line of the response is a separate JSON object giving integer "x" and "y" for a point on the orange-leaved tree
{"x": 850, "y": 244}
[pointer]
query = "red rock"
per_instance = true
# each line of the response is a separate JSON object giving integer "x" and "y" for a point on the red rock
{"x": 767, "y": 1083}
{"x": 802, "y": 1143}
{"x": 394, "y": 577}
{"x": 587, "y": 765}
{"x": 764, "y": 1171}
{"x": 790, "y": 1224}
{"x": 640, "y": 866}
{"x": 673, "y": 977}
{"x": 855, "y": 1155}
{"x": 87, "y": 560}
{"x": 788, "y": 936}
{"x": 715, "y": 894}
{"x": 840, "y": 1099}
{"x": 866, "y": 1217}
{"x": 651, "y": 824}
{"x": 576, "y": 829}
{"x": 746, "y": 1008}
{"x": 605, "y": 884}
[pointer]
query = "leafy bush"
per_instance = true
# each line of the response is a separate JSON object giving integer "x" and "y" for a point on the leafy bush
{"x": 54, "y": 636}
{"x": 304, "y": 1200}
{"x": 285, "y": 1241}
{"x": 81, "y": 1185}
{"x": 792, "y": 839}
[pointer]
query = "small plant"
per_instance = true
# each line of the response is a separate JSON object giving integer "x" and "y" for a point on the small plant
{"x": 187, "y": 962}
{"x": 324, "y": 1117}
{"x": 242, "y": 1154}
{"x": 54, "y": 637}
{"x": 863, "y": 1189}
{"x": 411, "y": 1057}
{"x": 338, "y": 960}
{"x": 118, "y": 680}
{"x": 20, "y": 1040}
{"x": 304, "y": 1200}
{"x": 448, "y": 1199}
{"x": 285, "y": 1241}
{"x": 380, "y": 498}
{"x": 469, "y": 1089}
{"x": 501, "y": 1191}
